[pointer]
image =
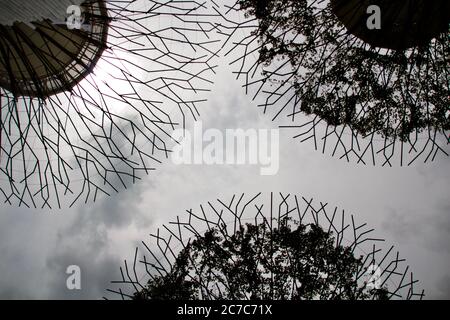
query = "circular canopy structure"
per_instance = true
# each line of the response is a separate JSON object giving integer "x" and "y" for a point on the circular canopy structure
{"x": 270, "y": 247}
{"x": 372, "y": 96}
{"x": 89, "y": 102}
{"x": 402, "y": 24}
{"x": 39, "y": 58}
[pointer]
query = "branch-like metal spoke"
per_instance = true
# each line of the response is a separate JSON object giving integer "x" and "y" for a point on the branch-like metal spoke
{"x": 377, "y": 97}
{"x": 159, "y": 257}
{"x": 87, "y": 112}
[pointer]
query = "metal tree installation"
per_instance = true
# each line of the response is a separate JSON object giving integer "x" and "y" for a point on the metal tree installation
{"x": 282, "y": 247}
{"x": 91, "y": 91}
{"x": 366, "y": 86}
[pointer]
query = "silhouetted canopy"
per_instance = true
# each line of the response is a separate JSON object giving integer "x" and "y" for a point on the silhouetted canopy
{"x": 45, "y": 57}
{"x": 256, "y": 263}
{"x": 404, "y": 23}
{"x": 347, "y": 81}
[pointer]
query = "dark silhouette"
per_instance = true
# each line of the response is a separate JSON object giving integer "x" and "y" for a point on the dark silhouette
{"x": 263, "y": 264}
{"x": 371, "y": 99}
{"x": 88, "y": 111}
{"x": 395, "y": 94}
{"x": 286, "y": 248}
{"x": 396, "y": 25}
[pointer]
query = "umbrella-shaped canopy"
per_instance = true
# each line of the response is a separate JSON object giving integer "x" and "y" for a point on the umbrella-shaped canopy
{"x": 41, "y": 54}
{"x": 401, "y": 24}
{"x": 92, "y": 90}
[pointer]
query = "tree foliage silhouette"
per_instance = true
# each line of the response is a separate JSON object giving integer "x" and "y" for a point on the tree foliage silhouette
{"x": 345, "y": 81}
{"x": 257, "y": 263}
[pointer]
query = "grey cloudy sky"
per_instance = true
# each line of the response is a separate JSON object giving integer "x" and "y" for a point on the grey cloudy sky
{"x": 407, "y": 206}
